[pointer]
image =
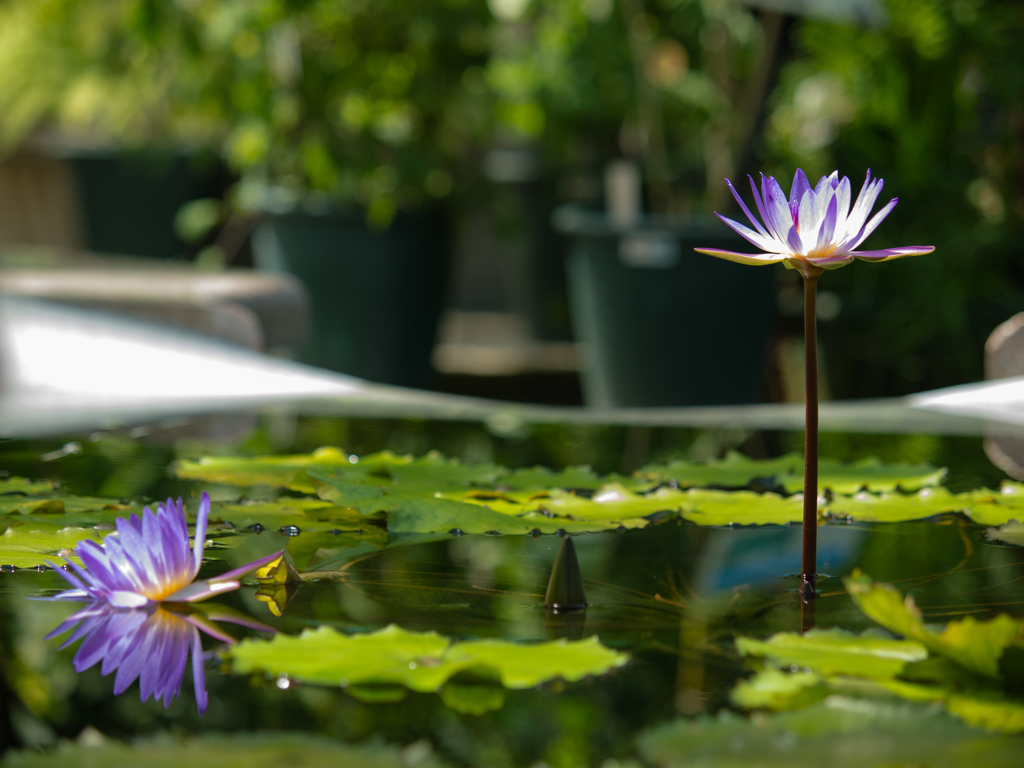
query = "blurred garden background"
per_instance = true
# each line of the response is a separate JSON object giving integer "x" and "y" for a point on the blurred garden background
{"x": 425, "y": 151}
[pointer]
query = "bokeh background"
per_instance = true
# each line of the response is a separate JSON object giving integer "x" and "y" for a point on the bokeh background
{"x": 449, "y": 132}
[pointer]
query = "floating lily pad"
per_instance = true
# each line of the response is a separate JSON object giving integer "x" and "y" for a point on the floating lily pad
{"x": 411, "y": 510}
{"x": 541, "y": 478}
{"x": 709, "y": 507}
{"x": 897, "y": 507}
{"x": 838, "y": 732}
{"x": 734, "y": 471}
{"x": 420, "y": 661}
{"x": 737, "y": 471}
{"x": 25, "y": 548}
{"x": 836, "y": 652}
{"x": 780, "y": 691}
{"x": 305, "y": 514}
{"x": 384, "y": 467}
{"x": 998, "y": 508}
{"x": 27, "y": 487}
{"x": 248, "y": 750}
{"x": 1011, "y": 533}
{"x": 974, "y": 645}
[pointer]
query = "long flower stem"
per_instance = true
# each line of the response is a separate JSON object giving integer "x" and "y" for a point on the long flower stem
{"x": 808, "y": 568}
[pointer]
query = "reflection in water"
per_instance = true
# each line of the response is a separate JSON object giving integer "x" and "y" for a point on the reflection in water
{"x": 138, "y": 586}
{"x": 151, "y": 644}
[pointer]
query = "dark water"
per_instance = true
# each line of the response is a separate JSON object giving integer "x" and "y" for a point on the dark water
{"x": 673, "y": 595}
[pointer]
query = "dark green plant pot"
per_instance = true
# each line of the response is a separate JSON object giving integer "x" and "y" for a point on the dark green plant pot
{"x": 661, "y": 324}
{"x": 129, "y": 200}
{"x": 376, "y": 296}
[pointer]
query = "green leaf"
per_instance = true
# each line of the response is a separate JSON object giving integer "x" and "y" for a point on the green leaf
{"x": 28, "y": 548}
{"x": 421, "y": 661}
{"x": 839, "y": 732}
{"x": 870, "y": 473}
{"x": 737, "y": 471}
{"x": 993, "y": 713}
{"x": 734, "y": 471}
{"x": 897, "y": 508}
{"x": 384, "y": 467}
{"x": 244, "y": 750}
{"x": 27, "y": 487}
{"x": 708, "y": 507}
{"x": 836, "y": 652}
{"x": 419, "y": 511}
{"x": 473, "y": 699}
{"x": 975, "y": 645}
{"x": 275, "y": 471}
{"x": 308, "y": 515}
{"x": 779, "y": 691}
{"x": 537, "y": 478}
{"x": 992, "y": 508}
{"x": 1011, "y": 533}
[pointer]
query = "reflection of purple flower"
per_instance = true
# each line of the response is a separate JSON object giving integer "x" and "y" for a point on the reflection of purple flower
{"x": 151, "y": 644}
{"x": 817, "y": 226}
{"x": 137, "y": 583}
{"x": 149, "y": 561}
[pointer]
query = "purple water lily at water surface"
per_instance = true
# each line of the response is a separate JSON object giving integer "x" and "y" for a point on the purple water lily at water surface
{"x": 822, "y": 225}
{"x": 138, "y": 584}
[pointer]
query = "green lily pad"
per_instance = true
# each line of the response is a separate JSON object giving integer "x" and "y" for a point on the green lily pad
{"x": 25, "y": 548}
{"x": 420, "y": 661}
{"x": 384, "y": 467}
{"x": 737, "y": 471}
{"x": 837, "y": 652}
{"x": 248, "y": 750}
{"x": 974, "y": 645}
{"x": 412, "y": 510}
{"x": 1011, "y": 533}
{"x": 998, "y": 508}
{"x": 734, "y": 471}
{"x": 473, "y": 699}
{"x": 897, "y": 507}
{"x": 779, "y": 691}
{"x": 27, "y": 487}
{"x": 275, "y": 471}
{"x": 79, "y": 510}
{"x": 838, "y": 732}
{"x": 542, "y": 478}
{"x": 308, "y": 515}
{"x": 710, "y": 507}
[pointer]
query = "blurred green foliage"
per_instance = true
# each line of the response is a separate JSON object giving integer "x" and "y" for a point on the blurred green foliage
{"x": 384, "y": 104}
{"x": 933, "y": 102}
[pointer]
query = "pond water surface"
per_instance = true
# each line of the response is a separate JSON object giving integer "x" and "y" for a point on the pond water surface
{"x": 673, "y": 596}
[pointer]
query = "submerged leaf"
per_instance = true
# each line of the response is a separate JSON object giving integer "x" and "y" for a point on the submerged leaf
{"x": 421, "y": 661}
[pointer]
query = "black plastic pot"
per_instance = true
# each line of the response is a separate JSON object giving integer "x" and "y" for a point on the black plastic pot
{"x": 662, "y": 325}
{"x": 376, "y": 296}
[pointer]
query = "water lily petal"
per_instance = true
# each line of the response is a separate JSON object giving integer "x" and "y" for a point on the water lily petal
{"x": 761, "y": 241}
{"x": 743, "y": 207}
{"x": 801, "y": 186}
{"x": 202, "y": 516}
{"x": 871, "y": 225}
{"x": 893, "y": 253}
{"x": 756, "y": 259}
{"x": 201, "y": 590}
{"x": 828, "y": 226}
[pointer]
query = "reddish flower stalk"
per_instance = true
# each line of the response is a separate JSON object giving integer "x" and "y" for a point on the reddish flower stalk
{"x": 814, "y": 230}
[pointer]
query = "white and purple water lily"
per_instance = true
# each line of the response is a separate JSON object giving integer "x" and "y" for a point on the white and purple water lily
{"x": 821, "y": 226}
{"x": 149, "y": 561}
{"x": 138, "y": 585}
